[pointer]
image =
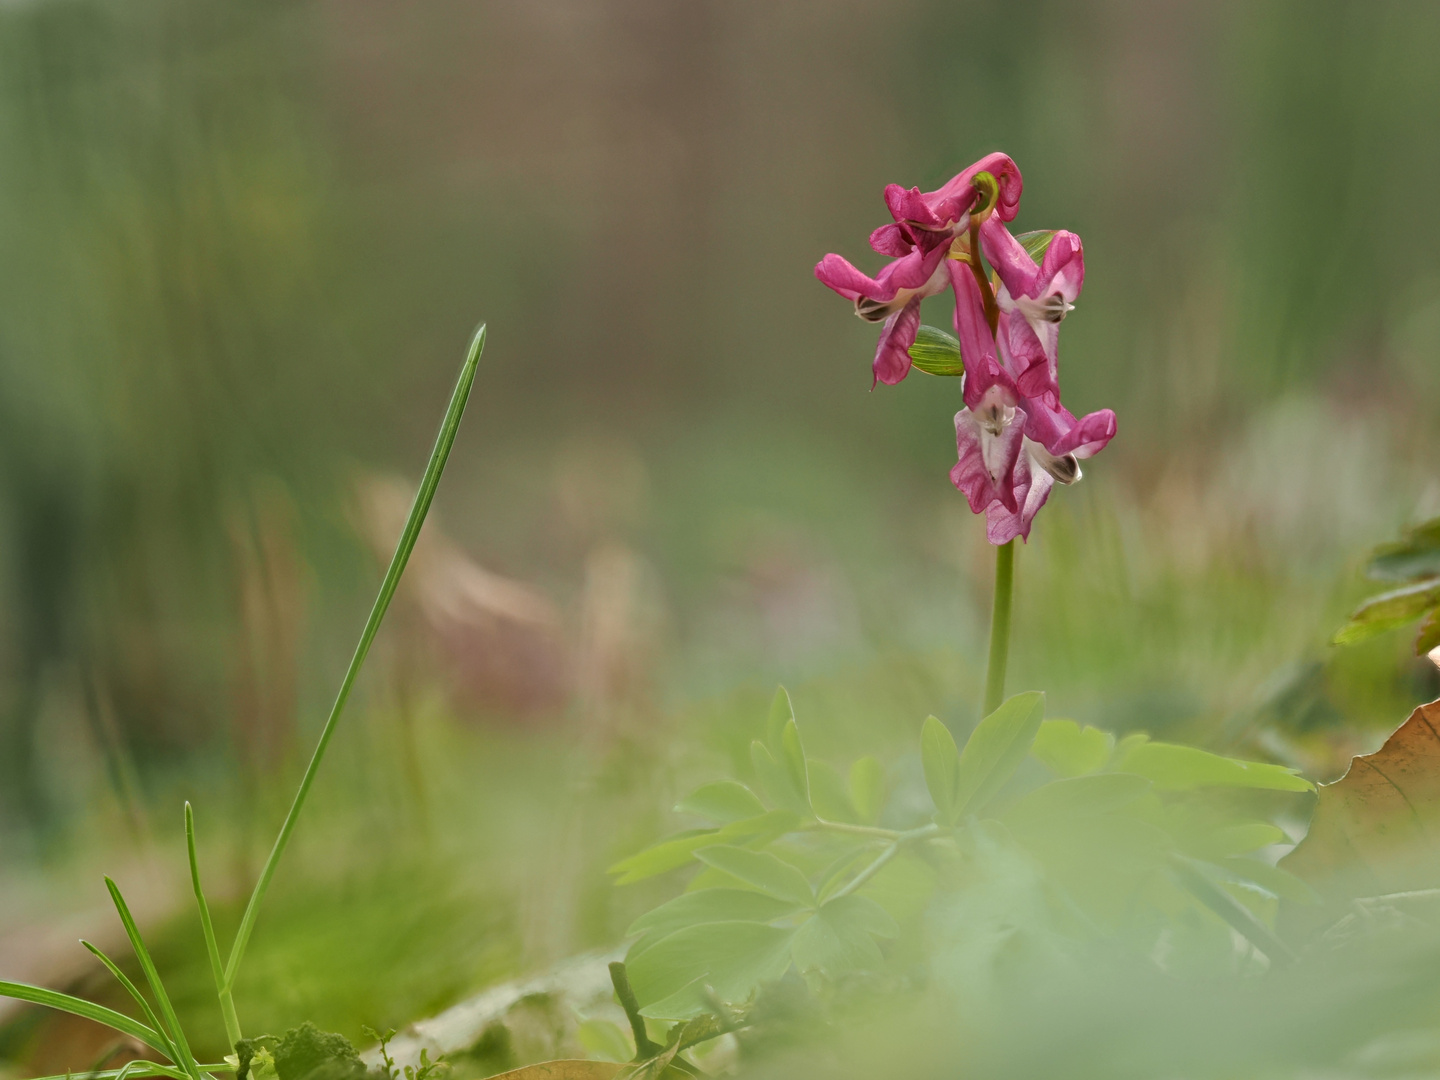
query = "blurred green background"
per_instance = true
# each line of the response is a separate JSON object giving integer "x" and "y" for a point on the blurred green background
{"x": 242, "y": 246}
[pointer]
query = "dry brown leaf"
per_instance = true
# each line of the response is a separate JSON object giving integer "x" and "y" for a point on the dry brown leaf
{"x": 1376, "y": 830}
{"x": 565, "y": 1070}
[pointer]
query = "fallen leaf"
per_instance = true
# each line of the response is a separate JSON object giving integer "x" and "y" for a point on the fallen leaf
{"x": 1376, "y": 830}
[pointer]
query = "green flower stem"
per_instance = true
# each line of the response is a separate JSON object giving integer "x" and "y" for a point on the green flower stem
{"x": 856, "y": 830}
{"x": 924, "y": 832}
{"x": 418, "y": 510}
{"x": 1000, "y": 627}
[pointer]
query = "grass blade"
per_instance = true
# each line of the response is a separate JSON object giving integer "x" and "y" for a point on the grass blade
{"x": 54, "y": 999}
{"x": 423, "y": 497}
{"x": 169, "y": 1048}
{"x": 138, "y": 1070}
{"x": 227, "y": 999}
{"x": 147, "y": 965}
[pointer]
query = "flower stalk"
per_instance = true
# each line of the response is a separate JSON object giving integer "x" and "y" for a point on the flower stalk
{"x": 1000, "y": 627}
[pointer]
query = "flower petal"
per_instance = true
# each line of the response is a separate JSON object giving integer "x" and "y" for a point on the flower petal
{"x": 977, "y": 345}
{"x": 985, "y": 472}
{"x": 910, "y": 272}
{"x": 958, "y": 194}
{"x": 1054, "y": 427}
{"x": 1032, "y": 488}
{"x": 892, "y": 354}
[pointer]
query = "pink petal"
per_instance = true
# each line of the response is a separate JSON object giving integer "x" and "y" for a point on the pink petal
{"x": 985, "y": 472}
{"x": 1063, "y": 269}
{"x": 892, "y": 354}
{"x": 1032, "y": 488}
{"x": 1054, "y": 427}
{"x": 1009, "y": 258}
{"x": 890, "y": 240}
{"x": 1024, "y": 354}
{"x": 910, "y": 272}
{"x": 957, "y": 195}
{"x": 910, "y": 206}
{"x": 977, "y": 345}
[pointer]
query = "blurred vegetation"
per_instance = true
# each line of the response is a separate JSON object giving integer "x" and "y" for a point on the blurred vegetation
{"x": 241, "y": 246}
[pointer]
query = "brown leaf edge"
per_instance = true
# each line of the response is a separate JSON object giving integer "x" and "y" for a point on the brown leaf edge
{"x": 1385, "y": 807}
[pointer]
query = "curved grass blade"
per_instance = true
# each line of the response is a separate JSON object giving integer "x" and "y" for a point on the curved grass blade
{"x": 227, "y": 999}
{"x": 54, "y": 999}
{"x": 184, "y": 1059}
{"x": 423, "y": 497}
{"x": 138, "y": 1070}
{"x": 130, "y": 988}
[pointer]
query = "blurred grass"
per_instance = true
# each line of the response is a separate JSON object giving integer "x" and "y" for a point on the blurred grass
{"x": 241, "y": 243}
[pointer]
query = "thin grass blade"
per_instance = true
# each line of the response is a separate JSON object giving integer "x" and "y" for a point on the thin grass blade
{"x": 54, "y": 999}
{"x": 222, "y": 991}
{"x": 134, "y": 991}
{"x": 184, "y": 1059}
{"x": 423, "y": 497}
{"x": 146, "y": 1068}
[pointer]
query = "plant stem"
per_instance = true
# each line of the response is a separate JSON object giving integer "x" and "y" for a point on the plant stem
{"x": 418, "y": 510}
{"x": 924, "y": 832}
{"x": 856, "y": 830}
{"x": 1000, "y": 627}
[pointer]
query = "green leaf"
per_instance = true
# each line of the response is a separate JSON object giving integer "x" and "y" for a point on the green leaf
{"x": 867, "y": 789}
{"x": 167, "y": 1011}
{"x": 1388, "y": 611}
{"x": 1415, "y": 555}
{"x": 792, "y": 755}
{"x": 782, "y": 712}
{"x": 604, "y": 1040}
{"x": 139, "y": 998}
{"x": 1067, "y": 749}
{"x": 1036, "y": 243}
{"x": 670, "y": 853}
{"x": 677, "y": 850}
{"x": 1183, "y": 768}
{"x": 731, "y": 958}
{"x": 724, "y": 801}
{"x": 424, "y": 495}
{"x": 212, "y": 948}
{"x": 776, "y": 780}
{"x": 840, "y": 937}
{"x": 936, "y": 353}
{"x": 995, "y": 750}
{"x": 941, "y": 760}
{"x": 1081, "y": 795}
{"x": 762, "y": 870}
{"x": 54, "y": 999}
{"x": 712, "y": 905}
{"x": 829, "y": 795}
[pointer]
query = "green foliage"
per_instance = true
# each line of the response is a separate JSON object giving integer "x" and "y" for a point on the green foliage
{"x": 1414, "y": 558}
{"x": 936, "y": 353}
{"x": 1070, "y": 750}
{"x": 1140, "y": 826}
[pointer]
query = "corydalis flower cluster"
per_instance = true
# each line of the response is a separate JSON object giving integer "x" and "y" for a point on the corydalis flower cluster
{"x": 1015, "y": 439}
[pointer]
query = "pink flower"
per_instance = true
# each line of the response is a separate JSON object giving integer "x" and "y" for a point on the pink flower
{"x": 1014, "y": 437}
{"x": 1041, "y": 295}
{"x": 925, "y": 226}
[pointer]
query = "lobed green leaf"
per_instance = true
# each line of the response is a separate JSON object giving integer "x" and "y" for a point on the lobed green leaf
{"x": 940, "y": 758}
{"x": 713, "y": 905}
{"x": 1067, "y": 749}
{"x": 1183, "y": 768}
{"x": 777, "y": 780}
{"x": 723, "y": 801}
{"x": 829, "y": 794}
{"x": 867, "y": 789}
{"x": 762, "y": 870}
{"x": 840, "y": 937}
{"x": 995, "y": 750}
{"x": 673, "y": 979}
